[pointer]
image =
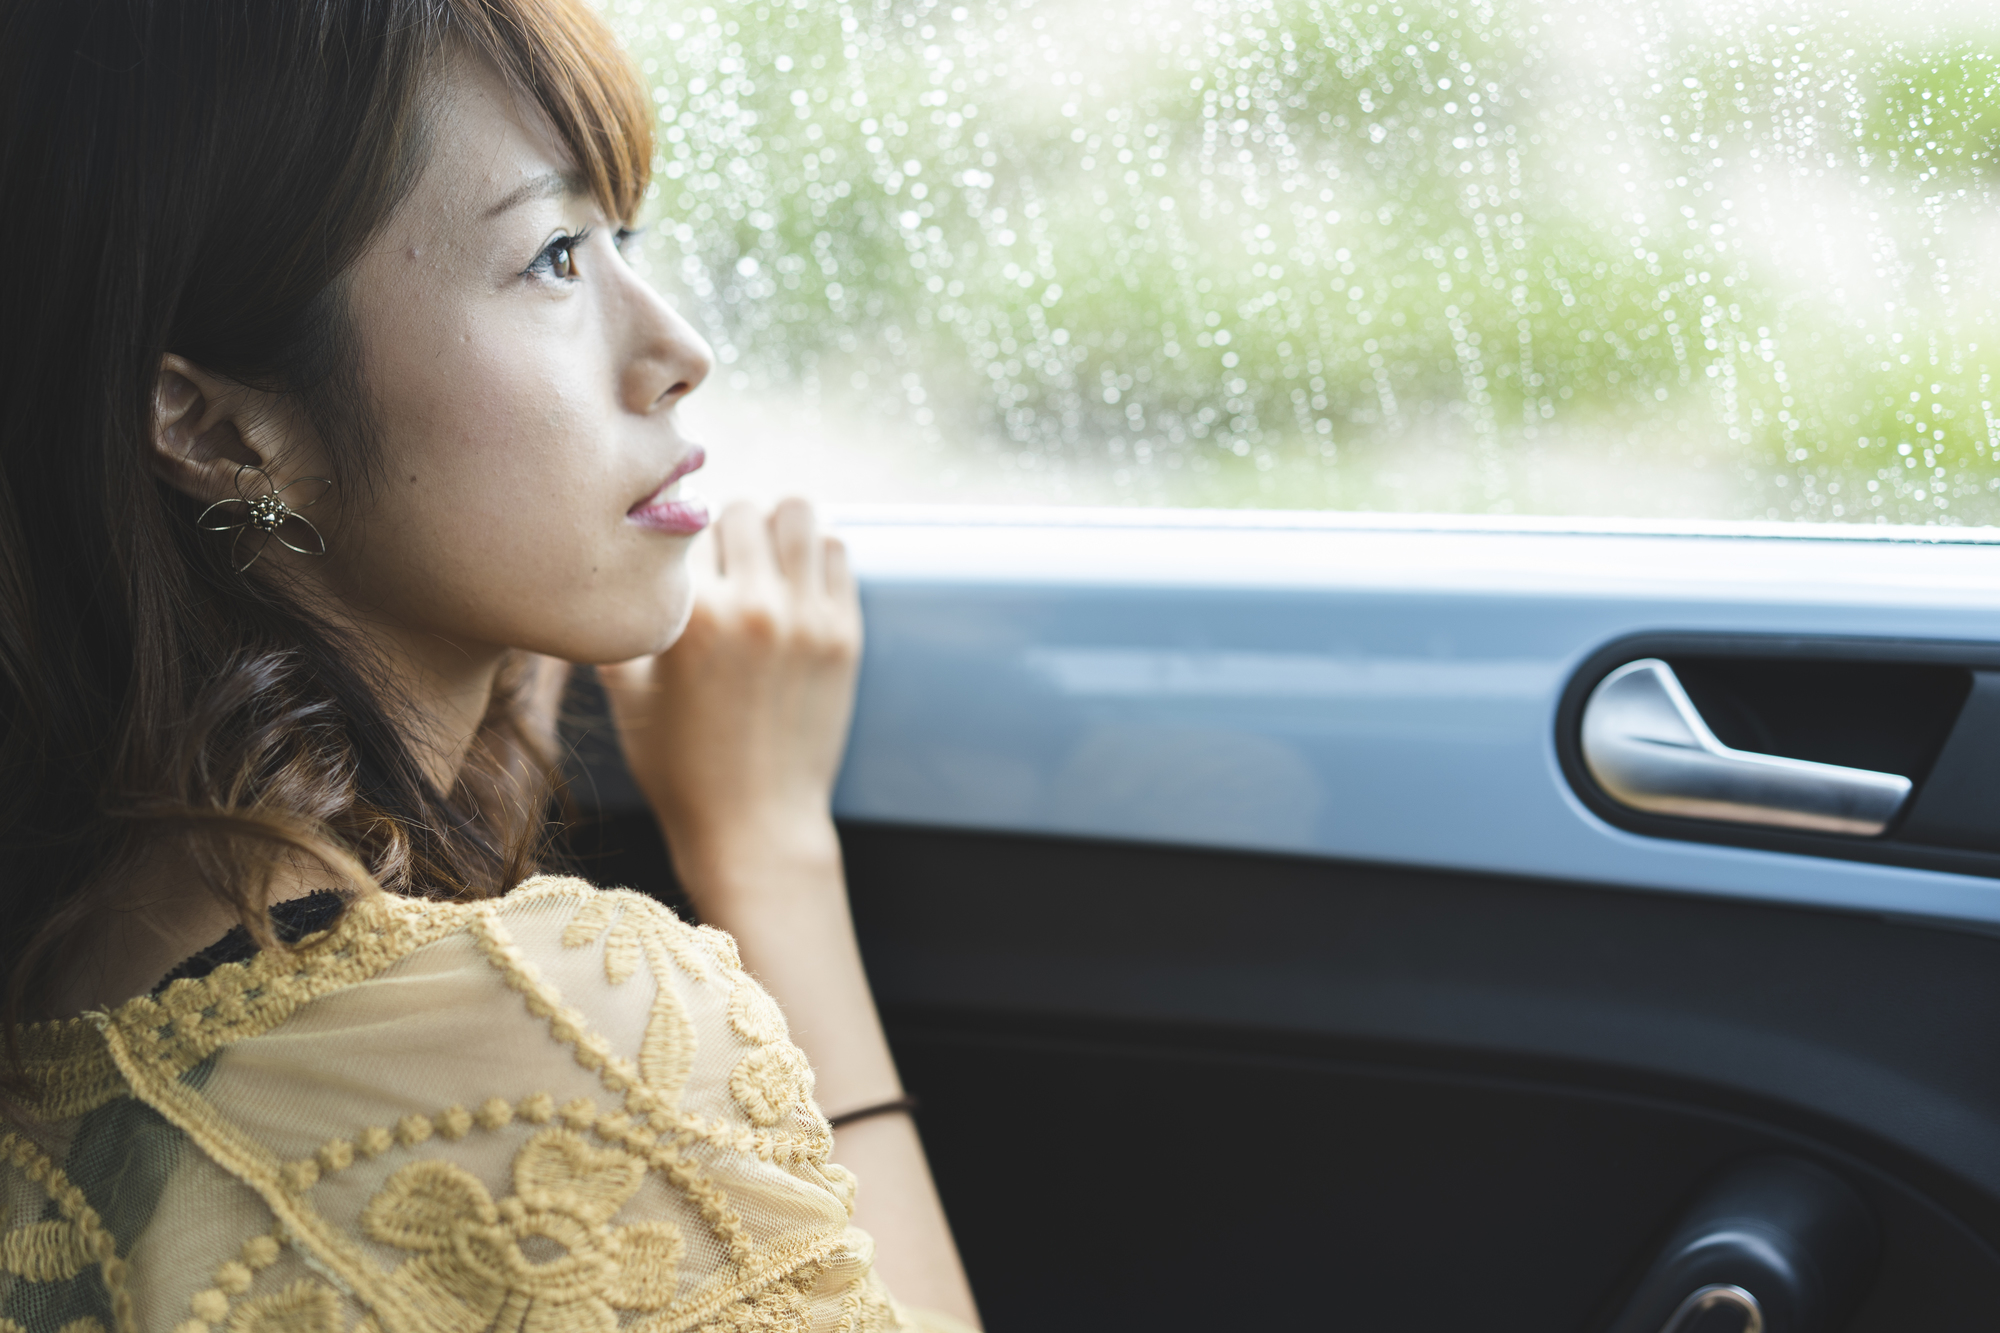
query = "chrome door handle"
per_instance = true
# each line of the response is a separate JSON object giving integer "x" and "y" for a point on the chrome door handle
{"x": 1645, "y": 743}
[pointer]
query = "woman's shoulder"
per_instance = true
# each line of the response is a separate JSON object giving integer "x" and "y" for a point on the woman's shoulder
{"x": 577, "y": 1055}
{"x": 554, "y": 944}
{"x": 558, "y": 949}
{"x": 624, "y": 921}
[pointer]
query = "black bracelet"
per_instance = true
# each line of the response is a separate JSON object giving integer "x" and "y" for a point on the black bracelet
{"x": 903, "y": 1105}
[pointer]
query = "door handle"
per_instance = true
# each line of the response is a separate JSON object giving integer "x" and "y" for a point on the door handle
{"x": 1647, "y": 746}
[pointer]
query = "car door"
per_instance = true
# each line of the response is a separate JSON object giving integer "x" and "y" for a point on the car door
{"x": 1231, "y": 884}
{"x": 1426, "y": 751}
{"x": 1234, "y": 883}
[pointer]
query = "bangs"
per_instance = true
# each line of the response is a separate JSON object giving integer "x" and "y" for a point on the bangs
{"x": 561, "y": 54}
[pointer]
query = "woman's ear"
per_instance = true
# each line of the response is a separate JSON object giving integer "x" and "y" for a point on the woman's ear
{"x": 205, "y": 427}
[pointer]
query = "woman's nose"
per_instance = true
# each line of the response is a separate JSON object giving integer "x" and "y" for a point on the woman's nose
{"x": 669, "y": 359}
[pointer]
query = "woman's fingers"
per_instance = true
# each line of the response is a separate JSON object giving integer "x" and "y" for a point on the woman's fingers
{"x": 740, "y": 725}
{"x": 795, "y": 536}
{"x": 742, "y": 543}
{"x": 839, "y": 572}
{"x": 843, "y": 593}
{"x": 782, "y": 576}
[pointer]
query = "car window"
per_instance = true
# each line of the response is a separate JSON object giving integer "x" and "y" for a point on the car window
{"x": 1580, "y": 257}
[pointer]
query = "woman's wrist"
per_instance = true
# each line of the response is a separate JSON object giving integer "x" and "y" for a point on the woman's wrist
{"x": 757, "y": 855}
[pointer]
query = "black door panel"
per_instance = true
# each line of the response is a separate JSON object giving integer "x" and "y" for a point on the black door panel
{"x": 1247, "y": 1088}
{"x": 1153, "y": 1187}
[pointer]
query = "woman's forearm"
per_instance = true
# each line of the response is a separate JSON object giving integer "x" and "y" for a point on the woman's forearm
{"x": 781, "y": 892}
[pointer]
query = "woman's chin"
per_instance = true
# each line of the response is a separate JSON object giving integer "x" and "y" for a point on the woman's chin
{"x": 676, "y": 624}
{"x": 641, "y": 618}
{"x": 650, "y": 639}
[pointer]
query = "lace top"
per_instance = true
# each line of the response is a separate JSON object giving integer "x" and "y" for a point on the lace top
{"x": 562, "y": 1111}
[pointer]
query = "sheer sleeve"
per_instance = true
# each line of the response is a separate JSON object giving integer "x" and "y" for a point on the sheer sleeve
{"x": 565, "y": 1110}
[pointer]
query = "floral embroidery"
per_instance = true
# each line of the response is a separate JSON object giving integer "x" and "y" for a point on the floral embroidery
{"x": 666, "y": 1053}
{"x": 546, "y": 1259}
{"x": 56, "y": 1249}
{"x": 770, "y": 1081}
{"x": 269, "y": 1314}
{"x": 783, "y": 1307}
{"x": 867, "y": 1306}
{"x": 767, "y": 1082}
{"x": 755, "y": 1015}
{"x": 547, "y": 1256}
{"x": 600, "y": 918}
{"x": 303, "y": 1307}
{"x": 46, "y": 1251}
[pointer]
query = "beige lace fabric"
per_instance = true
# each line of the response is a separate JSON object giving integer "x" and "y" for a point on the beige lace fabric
{"x": 562, "y": 1111}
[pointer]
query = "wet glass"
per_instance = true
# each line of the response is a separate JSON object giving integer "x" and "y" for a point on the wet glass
{"x": 1587, "y": 257}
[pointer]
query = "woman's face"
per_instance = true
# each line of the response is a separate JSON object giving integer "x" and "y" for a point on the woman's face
{"x": 525, "y": 382}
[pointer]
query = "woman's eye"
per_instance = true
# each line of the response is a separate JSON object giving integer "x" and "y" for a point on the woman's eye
{"x": 625, "y": 237}
{"x": 558, "y": 258}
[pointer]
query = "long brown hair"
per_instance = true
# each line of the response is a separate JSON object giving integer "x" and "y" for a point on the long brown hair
{"x": 195, "y": 176}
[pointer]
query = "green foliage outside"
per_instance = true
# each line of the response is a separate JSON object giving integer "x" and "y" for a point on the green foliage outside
{"x": 1487, "y": 257}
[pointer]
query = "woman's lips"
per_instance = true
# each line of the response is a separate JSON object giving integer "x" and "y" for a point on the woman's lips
{"x": 680, "y": 518}
{"x": 676, "y": 515}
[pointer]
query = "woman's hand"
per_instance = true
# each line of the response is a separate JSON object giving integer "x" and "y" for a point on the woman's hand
{"x": 735, "y": 734}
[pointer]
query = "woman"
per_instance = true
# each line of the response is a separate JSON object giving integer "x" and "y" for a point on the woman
{"x": 330, "y": 401}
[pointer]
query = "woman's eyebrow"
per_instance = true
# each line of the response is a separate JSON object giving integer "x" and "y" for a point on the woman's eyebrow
{"x": 544, "y": 186}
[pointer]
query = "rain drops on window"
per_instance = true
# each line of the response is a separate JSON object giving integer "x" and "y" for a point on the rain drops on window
{"x": 1720, "y": 260}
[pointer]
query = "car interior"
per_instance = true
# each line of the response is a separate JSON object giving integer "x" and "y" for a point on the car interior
{"x": 1428, "y": 742}
{"x": 1492, "y": 1079}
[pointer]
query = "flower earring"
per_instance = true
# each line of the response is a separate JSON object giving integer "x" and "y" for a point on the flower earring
{"x": 266, "y": 516}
